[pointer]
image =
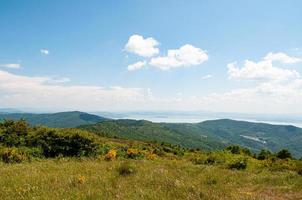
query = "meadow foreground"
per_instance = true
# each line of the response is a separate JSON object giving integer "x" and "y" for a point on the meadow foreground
{"x": 142, "y": 179}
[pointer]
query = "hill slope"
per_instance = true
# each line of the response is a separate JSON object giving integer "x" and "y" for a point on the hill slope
{"x": 256, "y": 135}
{"x": 148, "y": 131}
{"x": 208, "y": 135}
{"x": 58, "y": 120}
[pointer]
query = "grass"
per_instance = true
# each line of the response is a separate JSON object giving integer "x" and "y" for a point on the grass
{"x": 153, "y": 179}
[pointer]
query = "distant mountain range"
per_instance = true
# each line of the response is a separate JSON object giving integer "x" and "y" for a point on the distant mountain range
{"x": 56, "y": 120}
{"x": 209, "y": 135}
{"x": 9, "y": 110}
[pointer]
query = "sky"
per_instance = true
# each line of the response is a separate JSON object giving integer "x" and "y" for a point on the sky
{"x": 132, "y": 55}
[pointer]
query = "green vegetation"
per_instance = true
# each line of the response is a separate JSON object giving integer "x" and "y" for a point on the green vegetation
{"x": 55, "y": 120}
{"x": 208, "y": 135}
{"x": 49, "y": 163}
{"x": 147, "y": 131}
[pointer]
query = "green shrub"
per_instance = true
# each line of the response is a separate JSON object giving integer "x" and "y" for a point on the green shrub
{"x": 238, "y": 164}
{"x": 284, "y": 154}
{"x": 54, "y": 142}
{"x": 13, "y": 133}
{"x": 12, "y": 155}
{"x": 210, "y": 160}
{"x": 134, "y": 153}
{"x": 264, "y": 155}
{"x": 300, "y": 171}
{"x": 235, "y": 149}
{"x": 33, "y": 152}
{"x": 126, "y": 169}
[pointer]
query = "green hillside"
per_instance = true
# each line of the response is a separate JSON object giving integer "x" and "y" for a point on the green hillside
{"x": 208, "y": 135}
{"x": 58, "y": 120}
{"x": 148, "y": 131}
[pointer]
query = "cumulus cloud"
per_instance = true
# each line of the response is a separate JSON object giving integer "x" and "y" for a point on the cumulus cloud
{"x": 137, "y": 65}
{"x": 263, "y": 70}
{"x": 185, "y": 56}
{"x": 11, "y": 65}
{"x": 278, "y": 91}
{"x": 146, "y": 47}
{"x": 44, "y": 52}
{"x": 282, "y": 57}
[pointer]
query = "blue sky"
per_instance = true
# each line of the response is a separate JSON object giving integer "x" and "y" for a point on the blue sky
{"x": 60, "y": 55}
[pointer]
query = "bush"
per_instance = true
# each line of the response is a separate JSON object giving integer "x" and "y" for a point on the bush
{"x": 151, "y": 156}
{"x": 12, "y": 155}
{"x": 300, "y": 171}
{"x": 14, "y": 133}
{"x": 238, "y": 164}
{"x": 210, "y": 160}
{"x": 235, "y": 149}
{"x": 264, "y": 155}
{"x": 284, "y": 154}
{"x": 134, "y": 153}
{"x": 126, "y": 169}
{"x": 55, "y": 142}
{"x": 111, "y": 155}
{"x": 33, "y": 152}
{"x": 218, "y": 157}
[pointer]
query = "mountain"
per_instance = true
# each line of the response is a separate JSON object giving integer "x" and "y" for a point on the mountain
{"x": 9, "y": 110}
{"x": 148, "y": 131}
{"x": 209, "y": 135}
{"x": 58, "y": 120}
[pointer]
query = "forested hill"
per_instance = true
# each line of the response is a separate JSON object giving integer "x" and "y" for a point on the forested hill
{"x": 57, "y": 120}
{"x": 210, "y": 135}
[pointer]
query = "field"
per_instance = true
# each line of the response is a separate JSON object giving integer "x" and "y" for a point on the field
{"x": 46, "y": 163}
{"x": 148, "y": 179}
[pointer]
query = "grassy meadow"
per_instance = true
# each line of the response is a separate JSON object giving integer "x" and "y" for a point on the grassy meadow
{"x": 147, "y": 179}
{"x": 44, "y": 163}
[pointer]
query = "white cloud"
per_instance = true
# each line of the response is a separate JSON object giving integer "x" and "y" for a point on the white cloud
{"x": 44, "y": 52}
{"x": 185, "y": 56}
{"x": 137, "y": 65}
{"x": 47, "y": 93}
{"x": 208, "y": 76}
{"x": 143, "y": 47}
{"x": 282, "y": 57}
{"x": 56, "y": 80}
{"x": 263, "y": 70}
{"x": 11, "y": 65}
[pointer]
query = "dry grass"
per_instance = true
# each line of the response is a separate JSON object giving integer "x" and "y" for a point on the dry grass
{"x": 158, "y": 179}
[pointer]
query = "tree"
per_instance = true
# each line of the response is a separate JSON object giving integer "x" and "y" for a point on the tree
{"x": 284, "y": 154}
{"x": 264, "y": 154}
{"x": 234, "y": 149}
{"x": 14, "y": 133}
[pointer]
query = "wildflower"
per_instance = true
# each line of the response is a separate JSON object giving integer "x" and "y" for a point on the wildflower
{"x": 133, "y": 153}
{"x": 151, "y": 156}
{"x": 81, "y": 179}
{"x": 111, "y": 155}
